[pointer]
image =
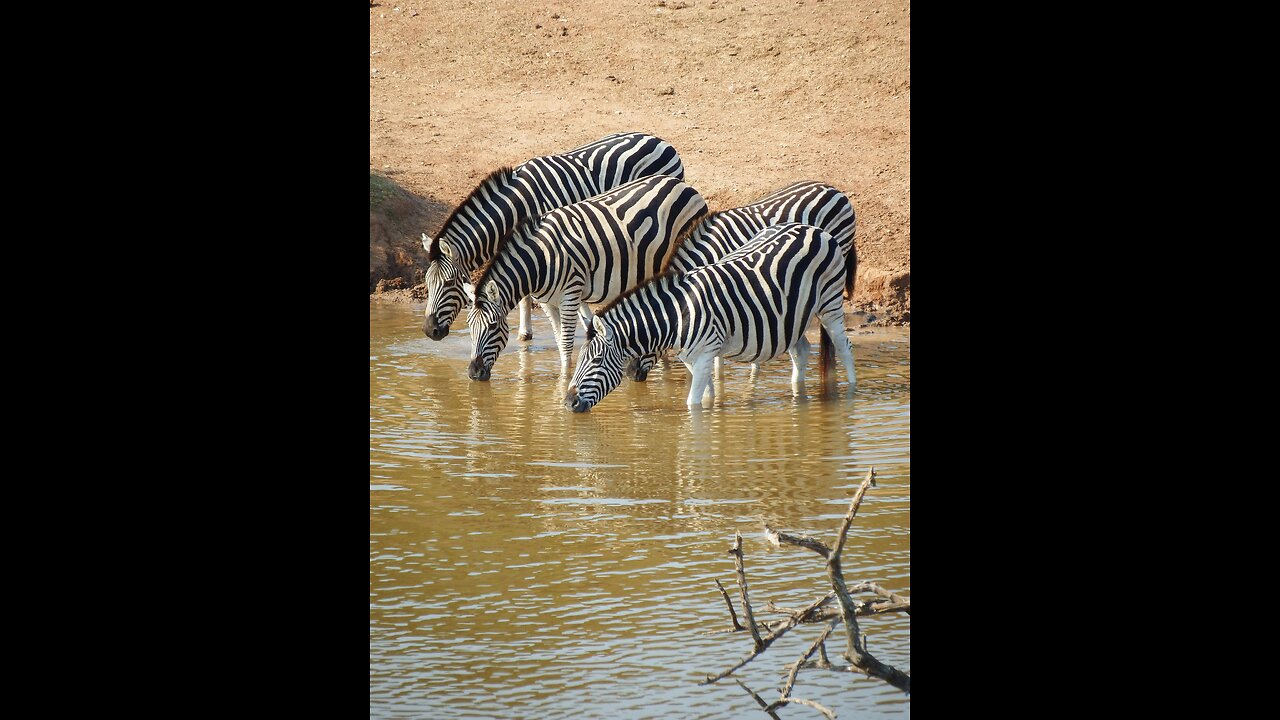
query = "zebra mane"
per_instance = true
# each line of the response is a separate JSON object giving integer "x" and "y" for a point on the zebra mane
{"x": 482, "y": 273}
{"x": 499, "y": 177}
{"x": 688, "y": 232}
{"x": 663, "y": 275}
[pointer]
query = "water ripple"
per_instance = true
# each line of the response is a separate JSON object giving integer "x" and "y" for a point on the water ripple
{"x": 528, "y": 562}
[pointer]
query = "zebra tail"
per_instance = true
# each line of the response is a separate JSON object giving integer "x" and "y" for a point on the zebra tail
{"x": 826, "y": 360}
{"x": 850, "y": 270}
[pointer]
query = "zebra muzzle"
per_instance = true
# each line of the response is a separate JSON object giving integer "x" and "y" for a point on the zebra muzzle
{"x": 575, "y": 403}
{"x": 477, "y": 370}
{"x": 434, "y": 330}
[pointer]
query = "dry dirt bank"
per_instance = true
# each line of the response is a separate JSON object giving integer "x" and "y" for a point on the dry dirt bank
{"x": 753, "y": 95}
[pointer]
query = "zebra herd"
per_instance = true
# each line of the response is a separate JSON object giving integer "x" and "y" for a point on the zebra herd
{"x": 614, "y": 223}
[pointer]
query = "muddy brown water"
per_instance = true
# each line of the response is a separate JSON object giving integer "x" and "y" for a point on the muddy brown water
{"x": 529, "y": 562}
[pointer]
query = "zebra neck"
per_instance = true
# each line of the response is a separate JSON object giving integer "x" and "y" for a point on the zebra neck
{"x": 520, "y": 273}
{"x": 653, "y": 315}
{"x": 491, "y": 211}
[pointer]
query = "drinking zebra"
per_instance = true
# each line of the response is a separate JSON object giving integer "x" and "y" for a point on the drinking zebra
{"x": 753, "y": 304}
{"x": 508, "y": 196}
{"x": 588, "y": 252}
{"x": 719, "y": 233}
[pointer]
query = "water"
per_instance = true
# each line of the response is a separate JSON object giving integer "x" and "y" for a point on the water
{"x": 529, "y": 562}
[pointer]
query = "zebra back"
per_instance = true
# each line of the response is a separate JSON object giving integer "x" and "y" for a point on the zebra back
{"x": 509, "y": 196}
{"x": 810, "y": 202}
{"x": 614, "y": 241}
{"x": 761, "y": 296}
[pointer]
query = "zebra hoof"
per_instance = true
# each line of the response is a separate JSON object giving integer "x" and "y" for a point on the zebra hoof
{"x": 526, "y": 336}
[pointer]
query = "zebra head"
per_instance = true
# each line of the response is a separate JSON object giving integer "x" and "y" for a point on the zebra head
{"x": 487, "y": 319}
{"x": 444, "y": 289}
{"x": 599, "y": 369}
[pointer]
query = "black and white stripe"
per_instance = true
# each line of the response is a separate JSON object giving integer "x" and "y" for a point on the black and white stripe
{"x": 751, "y": 305}
{"x": 810, "y": 202}
{"x": 588, "y": 252}
{"x": 508, "y": 196}
{"x": 719, "y": 233}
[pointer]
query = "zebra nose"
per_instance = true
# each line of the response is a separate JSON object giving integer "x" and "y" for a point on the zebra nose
{"x": 571, "y": 399}
{"x": 477, "y": 370}
{"x": 433, "y": 329}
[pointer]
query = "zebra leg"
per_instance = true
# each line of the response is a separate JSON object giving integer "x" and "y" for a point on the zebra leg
{"x": 799, "y": 361}
{"x": 553, "y": 316}
{"x": 703, "y": 368}
{"x": 569, "y": 306}
{"x": 834, "y": 324}
{"x": 720, "y": 369}
{"x": 526, "y": 318}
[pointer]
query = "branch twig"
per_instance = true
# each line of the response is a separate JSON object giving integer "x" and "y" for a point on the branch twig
{"x": 736, "y": 625}
{"x": 736, "y": 552}
{"x": 759, "y": 699}
{"x": 855, "y": 651}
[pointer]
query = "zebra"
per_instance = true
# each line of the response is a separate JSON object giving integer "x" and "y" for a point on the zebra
{"x": 752, "y": 304}
{"x": 719, "y": 233}
{"x": 507, "y": 196}
{"x": 588, "y": 252}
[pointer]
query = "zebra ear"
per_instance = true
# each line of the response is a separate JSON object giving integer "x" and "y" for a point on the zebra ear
{"x": 598, "y": 325}
{"x": 470, "y": 290}
{"x": 491, "y": 291}
{"x": 426, "y": 243}
{"x": 445, "y": 249}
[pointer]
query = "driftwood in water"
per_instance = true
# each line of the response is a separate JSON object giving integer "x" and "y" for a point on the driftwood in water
{"x": 847, "y": 611}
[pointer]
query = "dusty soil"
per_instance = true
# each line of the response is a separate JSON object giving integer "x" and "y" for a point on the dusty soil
{"x": 754, "y": 95}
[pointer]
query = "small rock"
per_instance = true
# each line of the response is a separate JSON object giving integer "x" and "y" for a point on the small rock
{"x": 413, "y": 13}
{"x": 667, "y": 91}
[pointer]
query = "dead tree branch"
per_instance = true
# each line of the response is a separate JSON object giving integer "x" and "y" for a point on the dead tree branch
{"x": 736, "y": 552}
{"x": 759, "y": 699}
{"x": 847, "y": 612}
{"x": 736, "y": 625}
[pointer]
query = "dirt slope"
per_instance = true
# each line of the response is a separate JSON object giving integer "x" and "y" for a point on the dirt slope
{"x": 754, "y": 96}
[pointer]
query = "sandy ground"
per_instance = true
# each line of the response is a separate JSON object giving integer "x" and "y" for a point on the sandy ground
{"x": 753, "y": 95}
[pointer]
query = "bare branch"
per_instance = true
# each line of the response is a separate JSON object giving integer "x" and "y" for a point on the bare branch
{"x": 863, "y": 586}
{"x": 765, "y": 642}
{"x": 759, "y": 699}
{"x": 779, "y": 538}
{"x": 736, "y": 552}
{"x": 736, "y": 625}
{"x": 795, "y": 666}
{"x": 810, "y": 703}
{"x": 855, "y": 651}
{"x": 870, "y": 481}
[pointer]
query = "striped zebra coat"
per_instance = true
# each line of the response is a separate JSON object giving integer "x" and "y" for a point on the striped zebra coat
{"x": 508, "y": 196}
{"x": 752, "y": 305}
{"x": 719, "y": 233}
{"x": 587, "y": 252}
